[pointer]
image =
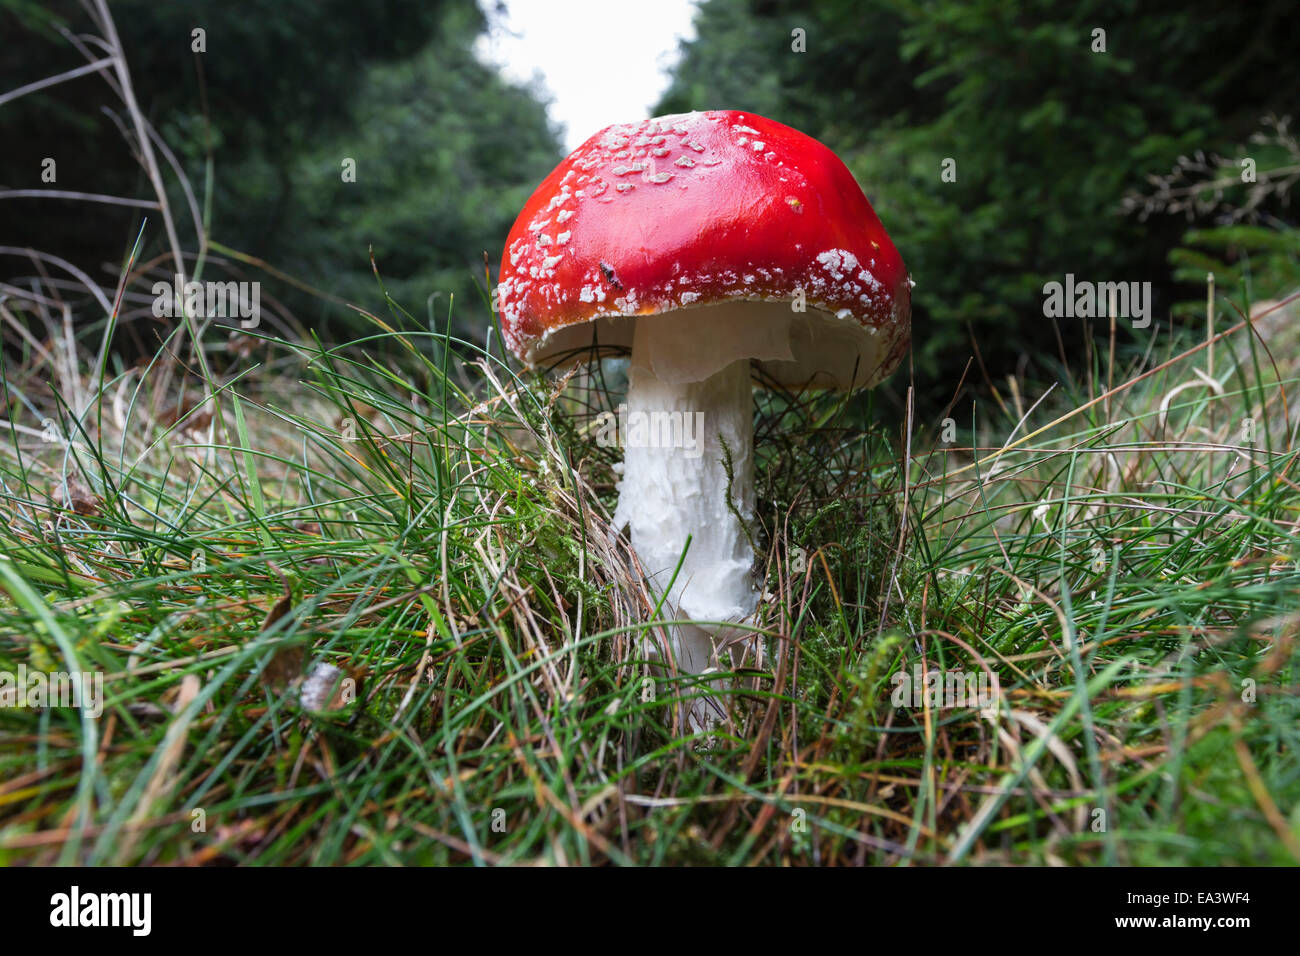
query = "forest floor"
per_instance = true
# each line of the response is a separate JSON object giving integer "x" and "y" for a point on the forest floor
{"x": 1116, "y": 554}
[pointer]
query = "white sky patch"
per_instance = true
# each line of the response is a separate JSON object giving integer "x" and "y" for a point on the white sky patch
{"x": 600, "y": 61}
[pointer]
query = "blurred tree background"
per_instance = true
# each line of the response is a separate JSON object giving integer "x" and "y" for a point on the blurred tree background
{"x": 1067, "y": 158}
{"x": 445, "y": 152}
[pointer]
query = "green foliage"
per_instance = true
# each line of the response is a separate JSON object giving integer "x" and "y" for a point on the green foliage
{"x": 1256, "y": 258}
{"x": 446, "y": 154}
{"x": 284, "y": 91}
{"x": 1243, "y": 200}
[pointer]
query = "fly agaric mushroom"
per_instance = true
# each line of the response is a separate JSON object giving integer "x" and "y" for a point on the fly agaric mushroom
{"x": 709, "y": 243}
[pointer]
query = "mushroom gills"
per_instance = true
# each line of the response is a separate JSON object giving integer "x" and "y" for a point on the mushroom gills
{"x": 809, "y": 349}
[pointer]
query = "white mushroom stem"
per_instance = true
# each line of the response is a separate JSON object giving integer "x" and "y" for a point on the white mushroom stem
{"x": 680, "y": 440}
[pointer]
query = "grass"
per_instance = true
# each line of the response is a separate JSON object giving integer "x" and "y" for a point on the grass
{"x": 409, "y": 510}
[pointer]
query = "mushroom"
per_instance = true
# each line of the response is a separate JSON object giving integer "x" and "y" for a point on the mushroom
{"x": 711, "y": 244}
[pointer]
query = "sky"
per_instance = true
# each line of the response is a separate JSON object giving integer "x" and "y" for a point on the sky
{"x": 598, "y": 61}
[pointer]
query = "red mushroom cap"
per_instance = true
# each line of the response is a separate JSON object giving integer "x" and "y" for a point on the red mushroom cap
{"x": 694, "y": 210}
